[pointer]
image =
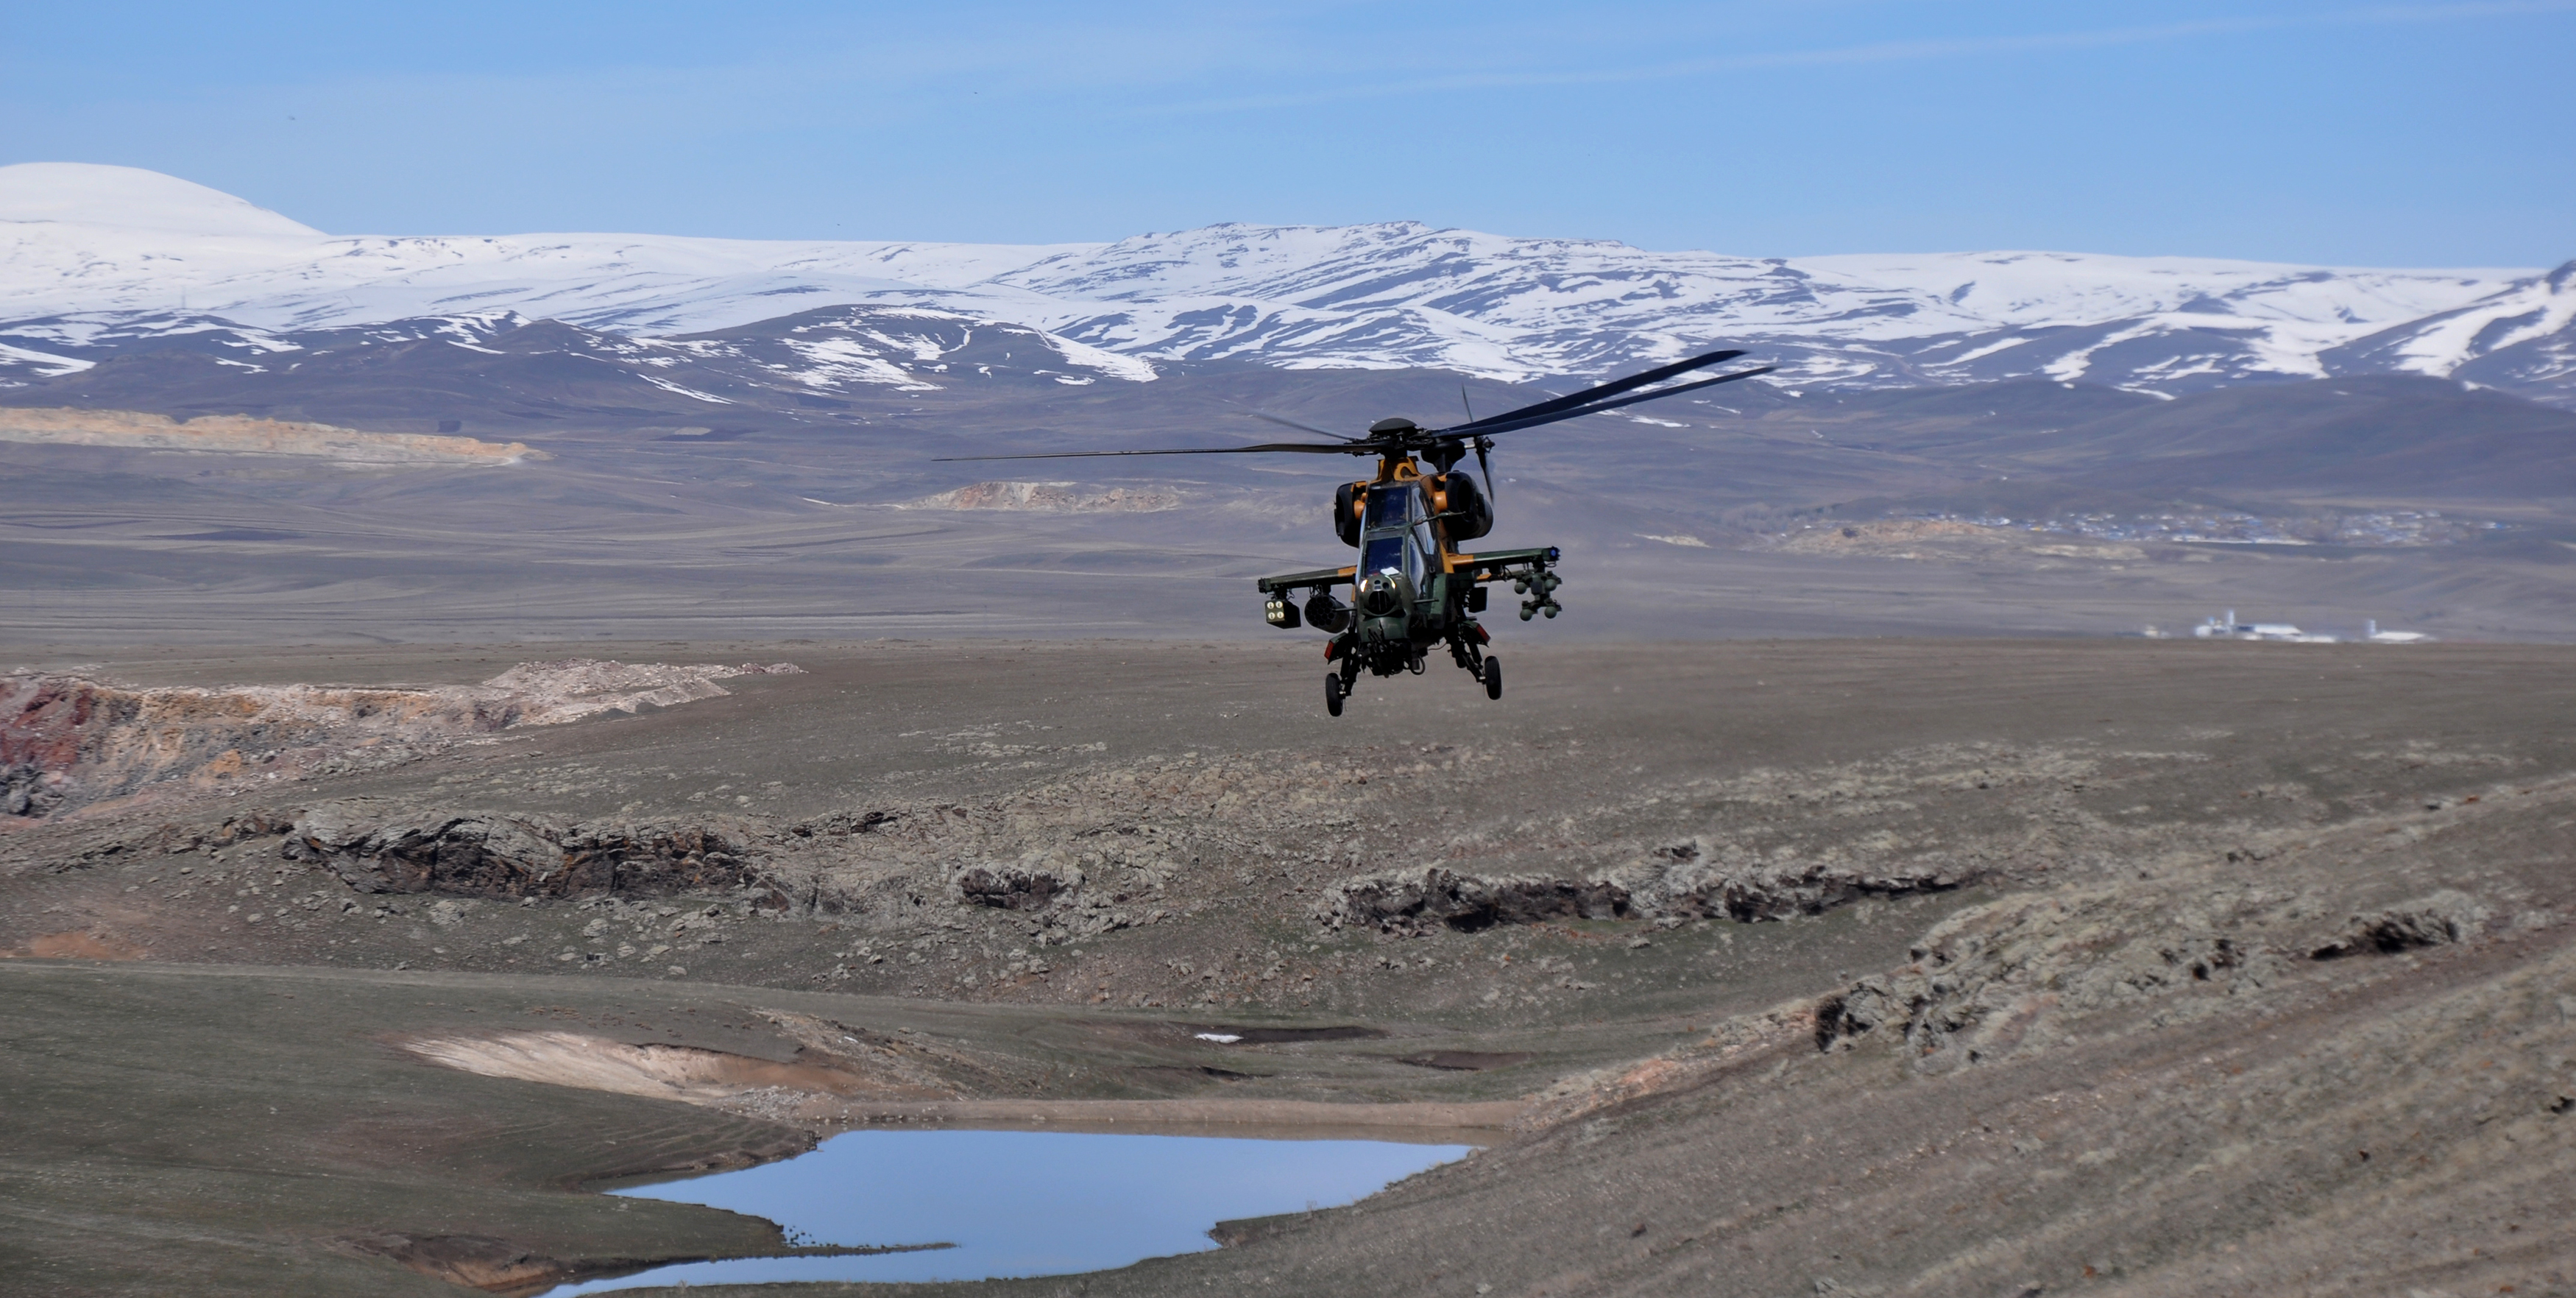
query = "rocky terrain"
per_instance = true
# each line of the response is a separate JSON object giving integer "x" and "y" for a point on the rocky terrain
{"x": 1866, "y": 967}
{"x": 67, "y": 741}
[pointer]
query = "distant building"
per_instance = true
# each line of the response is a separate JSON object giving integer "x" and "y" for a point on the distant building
{"x": 2228, "y": 628}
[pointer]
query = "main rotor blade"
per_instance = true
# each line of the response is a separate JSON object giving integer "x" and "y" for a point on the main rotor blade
{"x": 1592, "y": 394}
{"x": 1312, "y": 448}
{"x": 1546, "y": 412}
{"x": 1285, "y": 422}
{"x": 1493, "y": 426}
{"x": 1485, "y": 467}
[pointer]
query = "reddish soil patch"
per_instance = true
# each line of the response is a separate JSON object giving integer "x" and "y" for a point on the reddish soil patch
{"x": 77, "y": 945}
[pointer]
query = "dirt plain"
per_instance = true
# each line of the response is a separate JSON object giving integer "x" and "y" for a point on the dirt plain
{"x": 1768, "y": 967}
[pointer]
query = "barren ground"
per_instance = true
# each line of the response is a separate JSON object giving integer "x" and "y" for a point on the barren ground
{"x": 1774, "y": 967}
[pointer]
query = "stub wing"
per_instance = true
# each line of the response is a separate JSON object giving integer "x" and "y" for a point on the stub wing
{"x": 1492, "y": 565}
{"x": 1497, "y": 565}
{"x": 1318, "y": 579}
{"x": 1525, "y": 569}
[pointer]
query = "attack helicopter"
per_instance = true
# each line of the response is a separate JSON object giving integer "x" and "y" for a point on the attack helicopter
{"x": 1413, "y": 589}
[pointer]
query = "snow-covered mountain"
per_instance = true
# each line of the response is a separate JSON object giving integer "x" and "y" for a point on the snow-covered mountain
{"x": 98, "y": 260}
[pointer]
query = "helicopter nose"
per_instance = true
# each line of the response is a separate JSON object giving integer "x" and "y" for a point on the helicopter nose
{"x": 1378, "y": 597}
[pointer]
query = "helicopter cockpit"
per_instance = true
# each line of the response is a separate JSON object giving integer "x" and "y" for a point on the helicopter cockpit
{"x": 1397, "y": 536}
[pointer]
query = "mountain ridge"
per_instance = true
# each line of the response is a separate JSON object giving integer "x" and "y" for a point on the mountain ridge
{"x": 77, "y": 265}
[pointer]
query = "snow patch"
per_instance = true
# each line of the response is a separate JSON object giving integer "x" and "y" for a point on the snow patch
{"x": 45, "y": 364}
{"x": 691, "y": 393}
{"x": 836, "y": 361}
{"x": 131, "y": 198}
{"x": 1107, "y": 362}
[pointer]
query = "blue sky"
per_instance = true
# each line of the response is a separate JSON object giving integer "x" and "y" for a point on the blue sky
{"x": 2415, "y": 134}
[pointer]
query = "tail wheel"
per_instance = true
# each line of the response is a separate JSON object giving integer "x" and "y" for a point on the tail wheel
{"x": 1333, "y": 693}
{"x": 1493, "y": 678}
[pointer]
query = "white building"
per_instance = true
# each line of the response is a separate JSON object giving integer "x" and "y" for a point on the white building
{"x": 2228, "y": 628}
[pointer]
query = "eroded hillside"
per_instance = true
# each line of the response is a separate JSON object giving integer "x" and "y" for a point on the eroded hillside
{"x": 1865, "y": 968}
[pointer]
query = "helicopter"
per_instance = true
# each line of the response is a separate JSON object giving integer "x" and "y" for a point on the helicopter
{"x": 1413, "y": 590}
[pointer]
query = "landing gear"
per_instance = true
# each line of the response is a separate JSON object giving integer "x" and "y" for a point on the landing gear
{"x": 1492, "y": 676}
{"x": 1334, "y": 691}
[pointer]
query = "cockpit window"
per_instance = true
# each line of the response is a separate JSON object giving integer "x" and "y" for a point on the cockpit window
{"x": 1397, "y": 534}
{"x": 1392, "y": 506}
{"x": 1385, "y": 550}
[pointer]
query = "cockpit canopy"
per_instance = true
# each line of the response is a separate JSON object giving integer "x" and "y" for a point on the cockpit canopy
{"x": 1397, "y": 534}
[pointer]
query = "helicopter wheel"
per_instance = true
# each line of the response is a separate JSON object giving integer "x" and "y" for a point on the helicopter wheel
{"x": 1492, "y": 676}
{"x": 1333, "y": 693}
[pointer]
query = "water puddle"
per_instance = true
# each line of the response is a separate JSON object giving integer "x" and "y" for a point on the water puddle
{"x": 1020, "y": 1203}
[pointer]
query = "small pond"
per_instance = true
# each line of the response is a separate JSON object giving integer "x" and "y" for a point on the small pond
{"x": 1020, "y": 1203}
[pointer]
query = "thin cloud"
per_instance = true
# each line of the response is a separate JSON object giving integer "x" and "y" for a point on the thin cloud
{"x": 1881, "y": 52}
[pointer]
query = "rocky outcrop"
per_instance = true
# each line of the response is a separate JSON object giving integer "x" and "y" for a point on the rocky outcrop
{"x": 2443, "y": 918}
{"x": 73, "y": 741}
{"x": 381, "y": 847}
{"x": 1773, "y": 890}
{"x": 1681, "y": 882}
{"x": 1416, "y": 900}
{"x": 1029, "y": 885}
{"x": 89, "y": 850}
{"x": 66, "y": 741}
{"x": 843, "y": 823}
{"x": 548, "y": 693}
{"x": 1981, "y": 981}
{"x": 27, "y": 789}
